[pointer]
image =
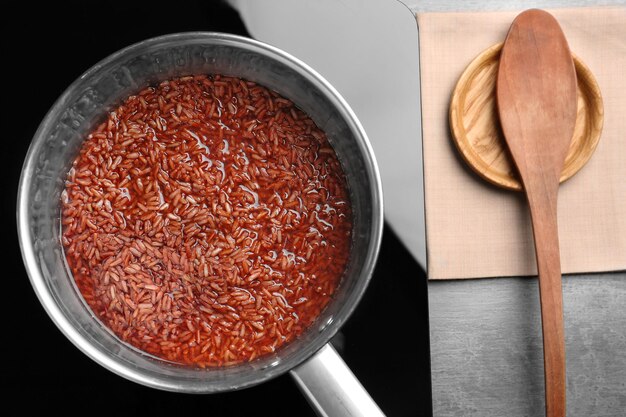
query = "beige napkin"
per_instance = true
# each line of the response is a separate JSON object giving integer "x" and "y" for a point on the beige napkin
{"x": 474, "y": 229}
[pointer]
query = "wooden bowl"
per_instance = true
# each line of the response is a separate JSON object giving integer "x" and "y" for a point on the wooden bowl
{"x": 476, "y": 128}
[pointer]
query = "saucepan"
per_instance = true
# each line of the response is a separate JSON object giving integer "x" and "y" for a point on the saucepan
{"x": 311, "y": 359}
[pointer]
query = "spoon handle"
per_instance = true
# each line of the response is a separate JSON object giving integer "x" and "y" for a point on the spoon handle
{"x": 543, "y": 211}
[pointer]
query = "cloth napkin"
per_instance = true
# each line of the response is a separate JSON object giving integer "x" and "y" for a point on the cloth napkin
{"x": 473, "y": 228}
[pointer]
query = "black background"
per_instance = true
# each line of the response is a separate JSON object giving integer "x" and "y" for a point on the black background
{"x": 44, "y": 48}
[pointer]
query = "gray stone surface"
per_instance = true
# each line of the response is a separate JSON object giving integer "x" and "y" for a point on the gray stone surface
{"x": 486, "y": 346}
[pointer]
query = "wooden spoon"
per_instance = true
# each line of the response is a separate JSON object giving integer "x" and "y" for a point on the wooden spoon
{"x": 536, "y": 98}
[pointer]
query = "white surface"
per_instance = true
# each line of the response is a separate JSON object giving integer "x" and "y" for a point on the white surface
{"x": 368, "y": 50}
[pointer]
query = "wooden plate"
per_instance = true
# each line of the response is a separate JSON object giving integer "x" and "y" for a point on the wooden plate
{"x": 476, "y": 128}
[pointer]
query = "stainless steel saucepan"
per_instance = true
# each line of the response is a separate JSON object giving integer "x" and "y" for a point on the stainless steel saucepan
{"x": 314, "y": 364}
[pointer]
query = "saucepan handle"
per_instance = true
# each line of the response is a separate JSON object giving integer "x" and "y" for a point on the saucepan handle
{"x": 331, "y": 387}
